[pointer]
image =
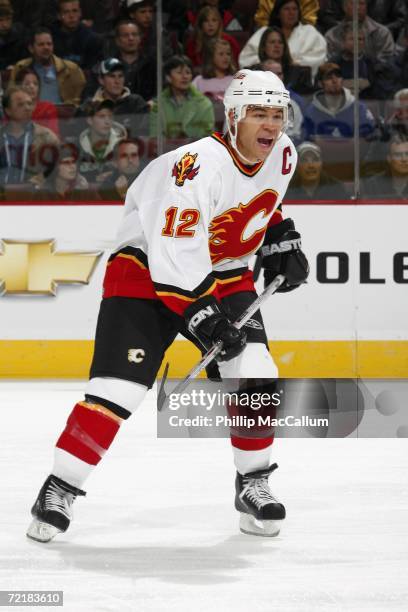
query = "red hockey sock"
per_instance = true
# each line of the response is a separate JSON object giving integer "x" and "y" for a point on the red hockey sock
{"x": 251, "y": 444}
{"x": 89, "y": 432}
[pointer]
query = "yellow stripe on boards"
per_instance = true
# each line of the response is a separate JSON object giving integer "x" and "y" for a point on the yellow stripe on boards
{"x": 295, "y": 359}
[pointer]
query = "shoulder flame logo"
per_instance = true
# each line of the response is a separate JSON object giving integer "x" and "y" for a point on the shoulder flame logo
{"x": 184, "y": 169}
{"x": 228, "y": 231}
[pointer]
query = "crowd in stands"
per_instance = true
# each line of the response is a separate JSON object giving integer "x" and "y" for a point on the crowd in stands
{"x": 79, "y": 106}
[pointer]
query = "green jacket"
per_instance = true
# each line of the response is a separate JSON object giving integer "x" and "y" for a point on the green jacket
{"x": 192, "y": 118}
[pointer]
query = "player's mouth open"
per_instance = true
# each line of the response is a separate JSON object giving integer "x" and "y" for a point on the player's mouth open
{"x": 265, "y": 142}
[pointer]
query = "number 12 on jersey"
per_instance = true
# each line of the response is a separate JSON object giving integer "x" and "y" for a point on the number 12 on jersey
{"x": 179, "y": 225}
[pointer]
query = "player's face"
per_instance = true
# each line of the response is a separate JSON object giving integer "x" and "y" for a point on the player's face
{"x": 259, "y": 131}
{"x": 42, "y": 48}
{"x": 398, "y": 159}
{"x": 67, "y": 169}
{"x": 309, "y": 168}
{"x": 114, "y": 83}
{"x": 31, "y": 85}
{"x": 333, "y": 84}
{"x": 70, "y": 15}
{"x": 289, "y": 15}
{"x": 274, "y": 46}
{"x": 128, "y": 159}
{"x": 128, "y": 38}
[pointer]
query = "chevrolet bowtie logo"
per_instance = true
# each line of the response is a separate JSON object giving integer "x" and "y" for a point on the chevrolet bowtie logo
{"x": 35, "y": 267}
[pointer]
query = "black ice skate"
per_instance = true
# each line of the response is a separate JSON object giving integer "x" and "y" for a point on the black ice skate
{"x": 52, "y": 512}
{"x": 261, "y": 513}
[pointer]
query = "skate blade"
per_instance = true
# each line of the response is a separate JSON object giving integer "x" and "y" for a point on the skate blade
{"x": 41, "y": 532}
{"x": 250, "y": 526}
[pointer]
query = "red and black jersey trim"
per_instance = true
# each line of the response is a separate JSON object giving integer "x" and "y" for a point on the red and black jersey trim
{"x": 246, "y": 169}
{"x": 277, "y": 216}
{"x": 178, "y": 299}
{"x": 129, "y": 252}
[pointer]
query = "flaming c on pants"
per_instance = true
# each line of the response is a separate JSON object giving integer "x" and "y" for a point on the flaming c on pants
{"x": 227, "y": 230}
{"x": 184, "y": 169}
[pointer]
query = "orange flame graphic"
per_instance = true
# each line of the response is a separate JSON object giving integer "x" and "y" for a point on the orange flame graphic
{"x": 227, "y": 230}
{"x": 184, "y": 169}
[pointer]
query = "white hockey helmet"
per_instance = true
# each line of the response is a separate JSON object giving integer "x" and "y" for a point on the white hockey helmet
{"x": 254, "y": 87}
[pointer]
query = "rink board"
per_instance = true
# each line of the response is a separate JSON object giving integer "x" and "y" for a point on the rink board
{"x": 349, "y": 320}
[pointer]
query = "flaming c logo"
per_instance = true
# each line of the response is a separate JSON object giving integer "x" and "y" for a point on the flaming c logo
{"x": 184, "y": 169}
{"x": 227, "y": 230}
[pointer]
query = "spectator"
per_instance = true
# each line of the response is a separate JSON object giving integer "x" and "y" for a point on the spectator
{"x": 229, "y": 20}
{"x": 12, "y": 39}
{"x": 44, "y": 113}
{"x": 307, "y": 46}
{"x": 400, "y": 59}
{"x": 73, "y": 40}
{"x": 100, "y": 15}
{"x": 126, "y": 162}
{"x": 97, "y": 142}
{"x": 218, "y": 68}
{"x": 375, "y": 79}
{"x": 331, "y": 112}
{"x": 140, "y": 70}
{"x": 393, "y": 183}
{"x": 308, "y": 9}
{"x": 208, "y": 27}
{"x": 310, "y": 182}
{"x": 379, "y": 44}
{"x": 27, "y": 150}
{"x": 297, "y": 107}
{"x": 390, "y": 14}
{"x": 273, "y": 46}
{"x": 397, "y": 124}
{"x": 61, "y": 81}
{"x": 142, "y": 13}
{"x": 129, "y": 109}
{"x": 65, "y": 183}
{"x": 186, "y": 112}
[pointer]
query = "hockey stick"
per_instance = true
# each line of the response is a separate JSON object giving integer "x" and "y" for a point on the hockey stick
{"x": 214, "y": 350}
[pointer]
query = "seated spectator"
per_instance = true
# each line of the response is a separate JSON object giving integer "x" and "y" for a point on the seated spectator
{"x": 229, "y": 20}
{"x": 307, "y": 46}
{"x": 13, "y": 41}
{"x": 61, "y": 81}
{"x": 400, "y": 59}
{"x": 273, "y": 46}
{"x": 128, "y": 108}
{"x": 308, "y": 8}
{"x": 126, "y": 167}
{"x": 390, "y": 14}
{"x": 218, "y": 68}
{"x": 393, "y": 183}
{"x": 100, "y": 15}
{"x": 310, "y": 182}
{"x": 397, "y": 124}
{"x": 140, "y": 70}
{"x": 65, "y": 183}
{"x": 376, "y": 79}
{"x": 44, "y": 113}
{"x": 331, "y": 112}
{"x": 185, "y": 112}
{"x": 379, "y": 44}
{"x": 35, "y": 13}
{"x": 27, "y": 150}
{"x": 97, "y": 142}
{"x": 208, "y": 27}
{"x": 73, "y": 40}
{"x": 142, "y": 13}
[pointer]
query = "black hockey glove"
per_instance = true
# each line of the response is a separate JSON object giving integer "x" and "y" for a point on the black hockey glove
{"x": 282, "y": 254}
{"x": 206, "y": 321}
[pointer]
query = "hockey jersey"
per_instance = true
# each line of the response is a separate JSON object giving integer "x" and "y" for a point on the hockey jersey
{"x": 192, "y": 220}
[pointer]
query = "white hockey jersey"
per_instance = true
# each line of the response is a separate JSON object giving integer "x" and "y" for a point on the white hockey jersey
{"x": 192, "y": 220}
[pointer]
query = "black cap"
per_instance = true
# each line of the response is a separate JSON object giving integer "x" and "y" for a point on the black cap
{"x": 110, "y": 65}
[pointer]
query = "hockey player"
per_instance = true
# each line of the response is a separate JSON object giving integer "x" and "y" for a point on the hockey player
{"x": 192, "y": 220}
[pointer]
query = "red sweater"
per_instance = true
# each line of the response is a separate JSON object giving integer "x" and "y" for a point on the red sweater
{"x": 45, "y": 113}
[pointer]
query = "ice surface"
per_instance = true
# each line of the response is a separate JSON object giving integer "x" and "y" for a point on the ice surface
{"x": 158, "y": 531}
